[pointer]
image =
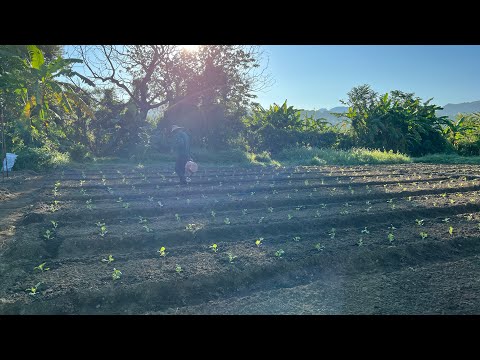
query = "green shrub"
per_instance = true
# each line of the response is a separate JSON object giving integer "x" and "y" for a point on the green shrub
{"x": 39, "y": 159}
{"x": 79, "y": 152}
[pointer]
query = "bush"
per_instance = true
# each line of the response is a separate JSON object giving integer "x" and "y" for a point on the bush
{"x": 39, "y": 159}
{"x": 79, "y": 152}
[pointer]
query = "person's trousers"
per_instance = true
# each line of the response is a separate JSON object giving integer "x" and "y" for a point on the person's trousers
{"x": 180, "y": 166}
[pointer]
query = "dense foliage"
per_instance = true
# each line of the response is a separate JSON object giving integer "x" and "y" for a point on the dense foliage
{"x": 121, "y": 101}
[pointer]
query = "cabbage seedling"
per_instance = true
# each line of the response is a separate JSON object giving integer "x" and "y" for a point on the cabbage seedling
{"x": 41, "y": 267}
{"x": 48, "y": 235}
{"x": 177, "y": 217}
{"x": 178, "y": 268}
{"x": 332, "y": 233}
{"x": 258, "y": 242}
{"x": 279, "y": 253}
{"x": 227, "y": 221}
{"x": 147, "y": 228}
{"x": 289, "y": 216}
{"x": 231, "y": 257}
{"x": 296, "y": 238}
{"x": 419, "y": 222}
{"x": 162, "y": 252}
{"x": 244, "y": 212}
{"x": 109, "y": 260}
{"x": 365, "y": 231}
{"x": 319, "y": 247}
{"x": 54, "y": 224}
{"x": 214, "y": 247}
{"x": 450, "y": 230}
{"x": 390, "y": 237}
{"x": 33, "y": 289}
{"x": 116, "y": 274}
{"x": 423, "y": 235}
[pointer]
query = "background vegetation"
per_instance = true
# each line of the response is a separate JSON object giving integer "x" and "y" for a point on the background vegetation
{"x": 119, "y": 102}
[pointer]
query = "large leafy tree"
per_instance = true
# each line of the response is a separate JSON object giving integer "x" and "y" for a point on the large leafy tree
{"x": 202, "y": 90}
{"x": 34, "y": 92}
{"x": 397, "y": 121}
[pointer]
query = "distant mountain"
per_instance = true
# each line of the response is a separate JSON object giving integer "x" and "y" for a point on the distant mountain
{"x": 450, "y": 110}
{"x": 326, "y": 114}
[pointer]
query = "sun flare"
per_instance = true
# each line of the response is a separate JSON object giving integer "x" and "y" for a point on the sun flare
{"x": 190, "y": 47}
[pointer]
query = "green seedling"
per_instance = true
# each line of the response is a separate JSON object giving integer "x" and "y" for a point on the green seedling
{"x": 193, "y": 228}
{"x": 365, "y": 231}
{"x": 103, "y": 230}
{"x": 296, "y": 238}
{"x": 110, "y": 190}
{"x": 419, "y": 222}
{"x": 469, "y": 217}
{"x": 323, "y": 206}
{"x": 409, "y": 198}
{"x": 332, "y": 233}
{"x": 41, "y": 267}
{"x": 177, "y": 217}
{"x": 227, "y": 221}
{"x": 188, "y": 201}
{"x": 178, "y": 268}
{"x": 270, "y": 209}
{"x": 279, "y": 253}
{"x": 82, "y": 182}
{"x": 344, "y": 212}
{"x": 390, "y": 237}
{"x": 360, "y": 241}
{"x": 452, "y": 201}
{"x": 99, "y": 224}
{"x": 214, "y": 247}
{"x": 450, "y": 230}
{"x": 108, "y": 260}
{"x": 423, "y": 235}
{"x": 258, "y": 242}
{"x": 289, "y": 216}
{"x": 392, "y": 228}
{"x": 120, "y": 200}
{"x": 147, "y": 228}
{"x": 306, "y": 182}
{"x": 261, "y": 219}
{"x": 317, "y": 213}
{"x": 116, "y": 274}
{"x": 33, "y": 290}
{"x": 231, "y": 257}
{"x": 443, "y": 195}
{"x": 162, "y": 251}
{"x": 89, "y": 204}
{"x": 142, "y": 220}
{"x": 54, "y": 224}
{"x": 213, "y": 213}
{"x": 48, "y": 234}
{"x": 150, "y": 198}
{"x": 446, "y": 220}
{"x": 319, "y": 247}
{"x": 160, "y": 203}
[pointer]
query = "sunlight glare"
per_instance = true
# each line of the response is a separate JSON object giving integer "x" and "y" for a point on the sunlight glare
{"x": 190, "y": 47}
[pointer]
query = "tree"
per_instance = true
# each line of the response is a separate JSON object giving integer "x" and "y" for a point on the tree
{"x": 31, "y": 89}
{"x": 188, "y": 86}
{"x": 399, "y": 122}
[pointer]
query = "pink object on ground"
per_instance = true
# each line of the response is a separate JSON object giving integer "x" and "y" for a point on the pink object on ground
{"x": 190, "y": 168}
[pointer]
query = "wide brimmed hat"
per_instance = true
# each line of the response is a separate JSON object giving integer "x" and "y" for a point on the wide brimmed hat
{"x": 175, "y": 127}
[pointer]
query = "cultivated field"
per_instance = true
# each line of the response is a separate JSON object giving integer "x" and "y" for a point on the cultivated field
{"x": 399, "y": 239}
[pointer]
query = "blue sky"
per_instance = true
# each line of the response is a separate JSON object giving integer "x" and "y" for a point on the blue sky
{"x": 318, "y": 76}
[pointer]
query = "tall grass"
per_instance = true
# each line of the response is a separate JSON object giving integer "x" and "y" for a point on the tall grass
{"x": 355, "y": 156}
{"x": 448, "y": 159}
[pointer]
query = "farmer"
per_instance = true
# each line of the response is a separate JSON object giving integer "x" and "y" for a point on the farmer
{"x": 181, "y": 145}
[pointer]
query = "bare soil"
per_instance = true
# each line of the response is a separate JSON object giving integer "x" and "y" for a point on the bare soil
{"x": 399, "y": 239}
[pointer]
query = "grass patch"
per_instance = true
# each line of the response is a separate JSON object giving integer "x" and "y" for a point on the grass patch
{"x": 355, "y": 156}
{"x": 448, "y": 159}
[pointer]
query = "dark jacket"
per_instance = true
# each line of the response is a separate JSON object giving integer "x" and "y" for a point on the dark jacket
{"x": 181, "y": 143}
